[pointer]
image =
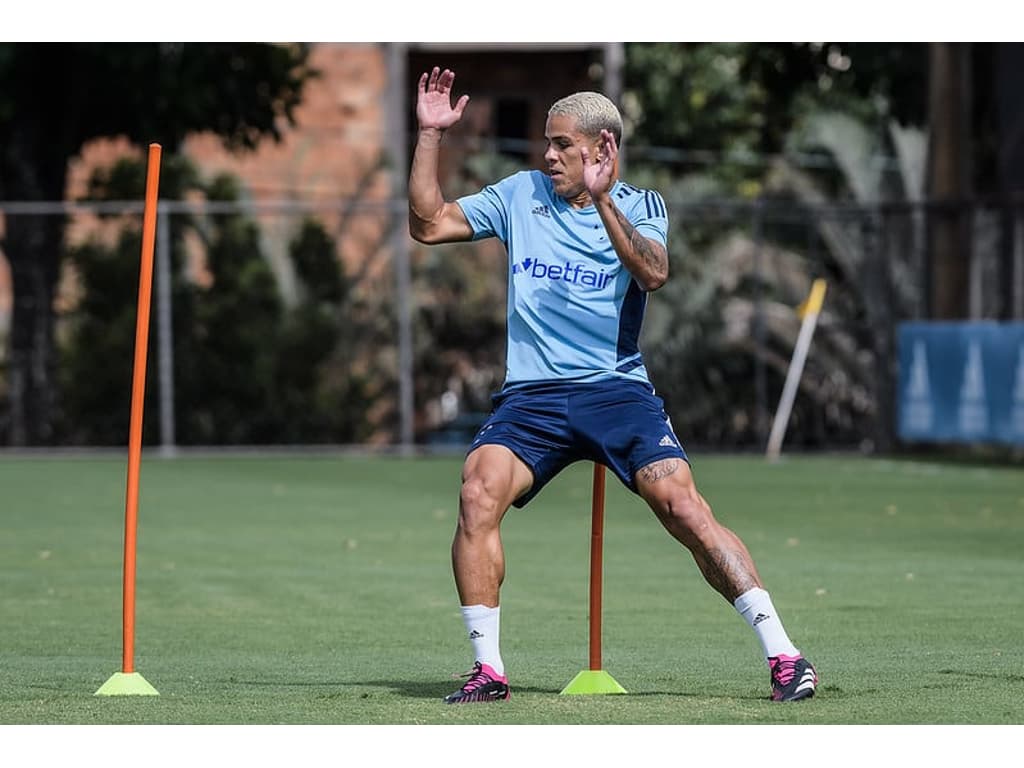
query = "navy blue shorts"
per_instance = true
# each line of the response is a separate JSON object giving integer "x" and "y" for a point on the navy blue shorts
{"x": 621, "y": 424}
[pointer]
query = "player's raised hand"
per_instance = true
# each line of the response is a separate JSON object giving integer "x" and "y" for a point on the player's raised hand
{"x": 434, "y": 100}
{"x": 599, "y": 174}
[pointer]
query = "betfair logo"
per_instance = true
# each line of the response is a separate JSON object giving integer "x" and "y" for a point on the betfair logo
{"x": 574, "y": 273}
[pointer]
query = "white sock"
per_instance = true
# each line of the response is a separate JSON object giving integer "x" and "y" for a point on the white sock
{"x": 756, "y": 607}
{"x": 482, "y": 625}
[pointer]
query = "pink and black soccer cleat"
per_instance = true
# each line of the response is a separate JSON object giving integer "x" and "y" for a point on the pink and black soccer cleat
{"x": 793, "y": 678}
{"x": 483, "y": 685}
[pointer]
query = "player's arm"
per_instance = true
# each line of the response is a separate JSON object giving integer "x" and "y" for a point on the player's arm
{"x": 646, "y": 259}
{"x": 432, "y": 219}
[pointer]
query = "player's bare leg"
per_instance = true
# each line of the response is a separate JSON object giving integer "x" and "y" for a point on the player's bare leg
{"x": 492, "y": 478}
{"x": 726, "y": 564}
{"x": 668, "y": 487}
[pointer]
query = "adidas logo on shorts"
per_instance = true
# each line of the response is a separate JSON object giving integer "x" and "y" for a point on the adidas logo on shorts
{"x": 666, "y": 440}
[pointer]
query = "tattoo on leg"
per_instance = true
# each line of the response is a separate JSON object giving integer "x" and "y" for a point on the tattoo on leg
{"x": 659, "y": 469}
{"x": 728, "y": 572}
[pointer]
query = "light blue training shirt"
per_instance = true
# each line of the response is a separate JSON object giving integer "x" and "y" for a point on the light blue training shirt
{"x": 574, "y": 312}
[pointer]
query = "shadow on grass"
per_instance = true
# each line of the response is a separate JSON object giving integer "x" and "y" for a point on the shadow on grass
{"x": 1010, "y": 678}
{"x": 418, "y": 690}
{"x": 434, "y": 690}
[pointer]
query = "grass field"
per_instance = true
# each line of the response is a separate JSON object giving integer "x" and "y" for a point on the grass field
{"x": 317, "y": 590}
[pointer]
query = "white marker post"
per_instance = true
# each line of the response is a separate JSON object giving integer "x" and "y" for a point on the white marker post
{"x": 810, "y": 310}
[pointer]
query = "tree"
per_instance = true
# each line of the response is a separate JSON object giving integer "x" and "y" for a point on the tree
{"x": 95, "y": 341}
{"x": 55, "y": 97}
{"x": 249, "y": 369}
{"x": 728, "y": 107}
{"x": 949, "y": 182}
{"x": 798, "y": 125}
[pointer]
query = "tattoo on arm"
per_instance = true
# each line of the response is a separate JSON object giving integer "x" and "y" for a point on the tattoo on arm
{"x": 728, "y": 573}
{"x": 659, "y": 469}
{"x": 653, "y": 259}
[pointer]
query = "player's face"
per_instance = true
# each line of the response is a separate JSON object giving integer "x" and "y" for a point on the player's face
{"x": 563, "y": 158}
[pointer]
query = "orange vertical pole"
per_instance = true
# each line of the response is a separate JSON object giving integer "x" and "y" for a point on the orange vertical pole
{"x": 595, "y": 679}
{"x": 596, "y": 564}
{"x": 138, "y": 399}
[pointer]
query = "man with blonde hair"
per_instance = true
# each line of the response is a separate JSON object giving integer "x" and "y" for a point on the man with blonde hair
{"x": 585, "y": 249}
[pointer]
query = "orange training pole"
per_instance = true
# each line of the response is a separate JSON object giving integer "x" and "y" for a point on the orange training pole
{"x": 595, "y": 679}
{"x": 138, "y": 392}
{"x": 127, "y": 682}
{"x": 596, "y": 565}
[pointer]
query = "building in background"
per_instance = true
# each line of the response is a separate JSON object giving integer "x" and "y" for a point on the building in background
{"x": 351, "y": 142}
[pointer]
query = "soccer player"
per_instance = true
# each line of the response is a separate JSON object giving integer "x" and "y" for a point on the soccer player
{"x": 584, "y": 250}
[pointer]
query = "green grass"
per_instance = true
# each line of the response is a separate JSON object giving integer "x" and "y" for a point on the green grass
{"x": 318, "y": 590}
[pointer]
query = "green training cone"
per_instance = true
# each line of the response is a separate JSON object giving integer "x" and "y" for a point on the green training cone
{"x": 593, "y": 681}
{"x": 126, "y": 684}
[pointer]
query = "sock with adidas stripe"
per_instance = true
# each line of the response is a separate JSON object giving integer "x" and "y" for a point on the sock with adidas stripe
{"x": 755, "y": 606}
{"x": 482, "y": 624}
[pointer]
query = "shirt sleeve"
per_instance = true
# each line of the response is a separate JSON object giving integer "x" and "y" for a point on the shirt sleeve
{"x": 487, "y": 211}
{"x": 650, "y": 216}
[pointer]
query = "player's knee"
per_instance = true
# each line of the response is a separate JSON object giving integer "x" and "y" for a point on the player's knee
{"x": 479, "y": 505}
{"x": 689, "y": 515}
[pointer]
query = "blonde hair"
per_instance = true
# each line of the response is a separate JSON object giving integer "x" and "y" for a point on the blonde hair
{"x": 593, "y": 111}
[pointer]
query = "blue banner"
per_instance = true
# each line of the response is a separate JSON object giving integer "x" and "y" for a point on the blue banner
{"x": 961, "y": 382}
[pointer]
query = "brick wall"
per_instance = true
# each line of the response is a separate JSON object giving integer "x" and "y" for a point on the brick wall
{"x": 330, "y": 153}
{"x": 334, "y": 150}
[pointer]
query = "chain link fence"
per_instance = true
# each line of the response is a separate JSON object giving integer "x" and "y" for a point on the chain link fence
{"x": 291, "y": 323}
